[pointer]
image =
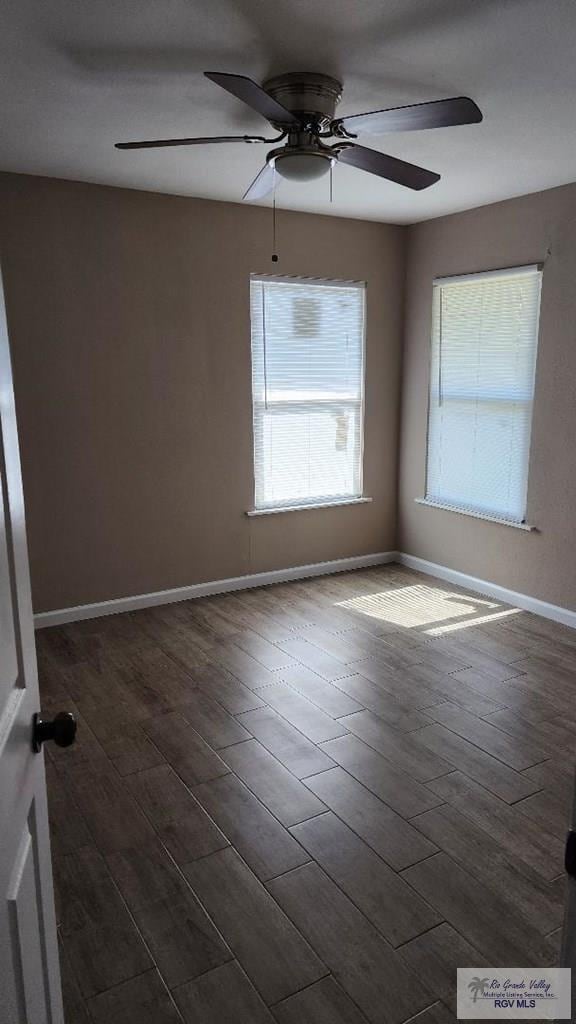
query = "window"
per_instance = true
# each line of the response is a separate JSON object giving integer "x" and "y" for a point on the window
{"x": 308, "y": 390}
{"x": 484, "y": 339}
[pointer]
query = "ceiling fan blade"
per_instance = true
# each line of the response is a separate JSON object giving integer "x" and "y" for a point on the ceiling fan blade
{"x": 159, "y": 143}
{"x": 415, "y": 117}
{"x": 388, "y": 167}
{"x": 262, "y": 185}
{"x": 254, "y": 95}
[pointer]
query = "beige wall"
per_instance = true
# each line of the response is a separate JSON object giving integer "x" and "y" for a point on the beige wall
{"x": 519, "y": 231}
{"x": 129, "y": 321}
{"x": 130, "y": 331}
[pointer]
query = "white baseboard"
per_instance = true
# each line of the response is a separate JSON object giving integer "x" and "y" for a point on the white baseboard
{"x": 259, "y": 579}
{"x": 263, "y": 579}
{"x": 524, "y": 601}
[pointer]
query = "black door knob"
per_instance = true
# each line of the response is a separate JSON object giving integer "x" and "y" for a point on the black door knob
{"x": 62, "y": 729}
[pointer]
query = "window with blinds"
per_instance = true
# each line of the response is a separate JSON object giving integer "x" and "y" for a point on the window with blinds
{"x": 484, "y": 340}
{"x": 308, "y": 390}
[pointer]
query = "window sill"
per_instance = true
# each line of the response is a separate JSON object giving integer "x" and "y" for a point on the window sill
{"x": 306, "y": 508}
{"x": 475, "y": 515}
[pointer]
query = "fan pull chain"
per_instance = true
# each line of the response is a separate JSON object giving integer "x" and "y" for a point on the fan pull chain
{"x": 274, "y": 253}
{"x": 331, "y": 189}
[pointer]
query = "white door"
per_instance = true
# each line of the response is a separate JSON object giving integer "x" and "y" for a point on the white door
{"x": 29, "y": 973}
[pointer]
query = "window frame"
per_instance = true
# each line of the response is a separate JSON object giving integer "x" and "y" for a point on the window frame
{"x": 260, "y": 507}
{"x": 451, "y": 506}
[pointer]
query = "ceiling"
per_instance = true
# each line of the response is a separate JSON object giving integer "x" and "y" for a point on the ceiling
{"x": 79, "y": 75}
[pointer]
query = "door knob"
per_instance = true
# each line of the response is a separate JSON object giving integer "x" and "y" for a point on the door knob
{"x": 62, "y": 729}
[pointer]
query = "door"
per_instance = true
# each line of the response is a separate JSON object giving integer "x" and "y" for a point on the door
{"x": 29, "y": 973}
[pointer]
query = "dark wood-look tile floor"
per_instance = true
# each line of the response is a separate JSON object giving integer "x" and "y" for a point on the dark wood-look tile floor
{"x": 308, "y": 802}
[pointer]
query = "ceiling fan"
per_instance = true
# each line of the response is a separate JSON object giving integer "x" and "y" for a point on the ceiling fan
{"x": 301, "y": 107}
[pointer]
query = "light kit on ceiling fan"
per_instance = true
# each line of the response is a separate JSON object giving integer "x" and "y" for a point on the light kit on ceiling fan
{"x": 301, "y": 164}
{"x": 301, "y": 107}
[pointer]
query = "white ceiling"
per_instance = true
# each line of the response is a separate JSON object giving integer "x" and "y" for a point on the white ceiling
{"x": 79, "y": 75}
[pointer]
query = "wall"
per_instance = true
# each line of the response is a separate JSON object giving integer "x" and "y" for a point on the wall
{"x": 129, "y": 323}
{"x": 519, "y": 231}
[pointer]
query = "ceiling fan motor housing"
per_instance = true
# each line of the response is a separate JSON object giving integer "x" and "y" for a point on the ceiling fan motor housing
{"x": 312, "y": 97}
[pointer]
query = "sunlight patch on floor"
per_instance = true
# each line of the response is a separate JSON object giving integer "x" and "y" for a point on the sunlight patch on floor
{"x": 417, "y": 605}
{"x": 478, "y": 620}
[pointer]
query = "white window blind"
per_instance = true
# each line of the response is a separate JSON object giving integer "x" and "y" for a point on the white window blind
{"x": 484, "y": 340}
{"x": 308, "y": 390}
